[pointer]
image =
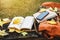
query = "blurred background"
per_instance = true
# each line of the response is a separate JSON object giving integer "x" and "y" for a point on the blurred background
{"x": 11, "y": 8}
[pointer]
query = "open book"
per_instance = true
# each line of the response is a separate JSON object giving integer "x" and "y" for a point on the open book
{"x": 41, "y": 15}
{"x": 19, "y": 23}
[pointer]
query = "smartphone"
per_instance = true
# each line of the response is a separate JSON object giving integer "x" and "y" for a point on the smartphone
{"x": 42, "y": 15}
